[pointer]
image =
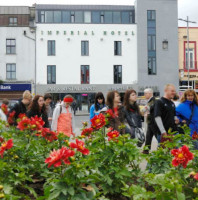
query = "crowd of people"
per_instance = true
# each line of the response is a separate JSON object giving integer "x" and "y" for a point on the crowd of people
{"x": 162, "y": 115}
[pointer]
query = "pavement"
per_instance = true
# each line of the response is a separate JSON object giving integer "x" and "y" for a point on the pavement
{"x": 80, "y": 118}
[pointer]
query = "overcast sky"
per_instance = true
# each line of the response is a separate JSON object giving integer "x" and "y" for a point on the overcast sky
{"x": 186, "y": 7}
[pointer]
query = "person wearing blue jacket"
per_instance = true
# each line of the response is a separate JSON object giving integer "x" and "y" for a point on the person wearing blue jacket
{"x": 98, "y": 105}
{"x": 187, "y": 111}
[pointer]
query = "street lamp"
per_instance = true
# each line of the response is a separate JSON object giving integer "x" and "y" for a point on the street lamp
{"x": 188, "y": 60}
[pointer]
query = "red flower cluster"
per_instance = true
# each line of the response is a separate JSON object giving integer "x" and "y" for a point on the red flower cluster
{"x": 110, "y": 114}
{"x": 5, "y": 146}
{"x": 4, "y": 108}
{"x": 196, "y": 176}
{"x": 87, "y": 131}
{"x": 112, "y": 135}
{"x": 98, "y": 121}
{"x": 80, "y": 147}
{"x": 11, "y": 117}
{"x": 24, "y": 124}
{"x": 57, "y": 157}
{"x": 37, "y": 123}
{"x": 182, "y": 156}
{"x": 48, "y": 135}
{"x": 22, "y": 116}
{"x": 195, "y": 135}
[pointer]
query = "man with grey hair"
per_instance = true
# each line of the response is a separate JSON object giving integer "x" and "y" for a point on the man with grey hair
{"x": 148, "y": 111}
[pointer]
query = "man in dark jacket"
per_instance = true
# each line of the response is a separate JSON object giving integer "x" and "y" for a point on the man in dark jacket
{"x": 164, "y": 113}
{"x": 21, "y": 106}
{"x": 148, "y": 110}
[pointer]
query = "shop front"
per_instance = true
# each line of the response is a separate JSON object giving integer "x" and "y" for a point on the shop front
{"x": 13, "y": 91}
{"x": 84, "y": 95}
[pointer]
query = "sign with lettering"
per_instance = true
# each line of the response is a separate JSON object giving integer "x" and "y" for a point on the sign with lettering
{"x": 15, "y": 87}
{"x": 92, "y": 33}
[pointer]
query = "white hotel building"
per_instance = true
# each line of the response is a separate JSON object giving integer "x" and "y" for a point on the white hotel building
{"x": 85, "y": 49}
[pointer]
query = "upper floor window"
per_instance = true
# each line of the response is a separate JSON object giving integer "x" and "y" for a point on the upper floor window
{"x": 117, "y": 74}
{"x": 151, "y": 15}
{"x": 84, "y": 48}
{"x": 95, "y": 17}
{"x": 84, "y": 74}
{"x": 190, "y": 61}
{"x": 51, "y": 46}
{"x": 13, "y": 21}
{"x": 117, "y": 48}
{"x": 10, "y": 46}
{"x": 11, "y": 71}
{"x": 51, "y": 74}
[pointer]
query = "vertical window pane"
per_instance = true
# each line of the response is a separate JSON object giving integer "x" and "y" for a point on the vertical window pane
{"x": 57, "y": 16}
{"x": 66, "y": 17}
{"x": 87, "y": 17}
{"x": 116, "y": 17}
{"x": 125, "y": 18}
{"x": 96, "y": 17}
{"x": 84, "y": 48}
{"x": 51, "y": 74}
{"x": 108, "y": 17}
{"x": 51, "y": 48}
{"x": 49, "y": 16}
{"x": 117, "y": 74}
{"x": 79, "y": 17}
{"x": 117, "y": 48}
{"x": 84, "y": 74}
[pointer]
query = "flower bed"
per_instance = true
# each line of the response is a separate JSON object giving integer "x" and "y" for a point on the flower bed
{"x": 36, "y": 163}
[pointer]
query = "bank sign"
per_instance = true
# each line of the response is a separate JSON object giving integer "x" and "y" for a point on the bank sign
{"x": 15, "y": 87}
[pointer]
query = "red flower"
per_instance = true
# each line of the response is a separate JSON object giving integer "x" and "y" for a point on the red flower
{"x": 22, "y": 116}
{"x": 110, "y": 114}
{"x": 182, "y": 156}
{"x": 196, "y": 177}
{"x": 11, "y": 117}
{"x": 98, "y": 121}
{"x": 1, "y": 139}
{"x": 5, "y": 146}
{"x": 37, "y": 123}
{"x": 4, "y": 108}
{"x": 57, "y": 157}
{"x": 112, "y": 135}
{"x": 24, "y": 124}
{"x": 87, "y": 131}
{"x": 195, "y": 135}
{"x": 48, "y": 135}
{"x": 80, "y": 147}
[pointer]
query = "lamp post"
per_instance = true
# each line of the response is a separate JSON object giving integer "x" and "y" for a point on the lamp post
{"x": 188, "y": 57}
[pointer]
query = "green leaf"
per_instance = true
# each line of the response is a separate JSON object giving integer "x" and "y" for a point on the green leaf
{"x": 71, "y": 191}
{"x": 54, "y": 195}
{"x": 180, "y": 196}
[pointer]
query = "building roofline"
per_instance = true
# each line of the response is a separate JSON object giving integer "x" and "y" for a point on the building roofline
{"x": 83, "y": 7}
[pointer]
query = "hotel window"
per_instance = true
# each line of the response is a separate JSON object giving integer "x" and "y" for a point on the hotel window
{"x": 87, "y": 17}
{"x": 84, "y": 48}
{"x": 51, "y": 47}
{"x": 10, "y": 46}
{"x": 96, "y": 17}
{"x": 125, "y": 17}
{"x": 13, "y": 21}
{"x": 51, "y": 74}
{"x": 116, "y": 17}
{"x": 72, "y": 17}
{"x": 66, "y": 17}
{"x": 49, "y": 16}
{"x": 79, "y": 17}
{"x": 84, "y": 74}
{"x": 191, "y": 59}
{"x": 11, "y": 71}
{"x": 42, "y": 16}
{"x": 57, "y": 16}
{"x": 108, "y": 17}
{"x": 117, "y": 74}
{"x": 117, "y": 48}
{"x": 151, "y": 42}
{"x": 102, "y": 17}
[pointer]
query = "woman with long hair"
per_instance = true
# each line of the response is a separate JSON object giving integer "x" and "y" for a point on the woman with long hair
{"x": 132, "y": 112}
{"x": 187, "y": 110}
{"x": 98, "y": 105}
{"x": 37, "y": 107}
{"x": 114, "y": 104}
